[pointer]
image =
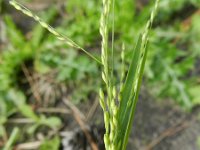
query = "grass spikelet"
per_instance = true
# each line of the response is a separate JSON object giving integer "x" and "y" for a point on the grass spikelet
{"x": 107, "y": 57}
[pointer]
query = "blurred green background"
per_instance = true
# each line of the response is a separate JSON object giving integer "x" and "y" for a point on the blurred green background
{"x": 37, "y": 71}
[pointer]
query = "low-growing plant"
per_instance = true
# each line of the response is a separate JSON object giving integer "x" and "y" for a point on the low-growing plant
{"x": 118, "y": 102}
{"x": 172, "y": 73}
{"x": 12, "y": 99}
{"x": 45, "y": 54}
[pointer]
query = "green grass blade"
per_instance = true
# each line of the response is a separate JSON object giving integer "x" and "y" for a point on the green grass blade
{"x": 127, "y": 87}
{"x": 134, "y": 99}
{"x": 130, "y": 92}
{"x": 127, "y": 90}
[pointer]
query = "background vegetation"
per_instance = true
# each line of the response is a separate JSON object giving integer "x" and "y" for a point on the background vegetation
{"x": 37, "y": 71}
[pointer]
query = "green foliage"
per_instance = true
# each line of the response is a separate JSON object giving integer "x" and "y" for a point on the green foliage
{"x": 19, "y": 101}
{"x": 51, "y": 122}
{"x": 173, "y": 53}
{"x": 171, "y": 63}
{"x": 18, "y": 52}
{"x": 47, "y": 54}
{"x": 87, "y": 33}
{"x": 69, "y": 64}
{"x": 12, "y": 139}
{"x": 52, "y": 144}
{"x": 72, "y": 69}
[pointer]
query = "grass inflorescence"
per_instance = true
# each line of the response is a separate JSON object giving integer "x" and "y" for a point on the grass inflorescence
{"x": 119, "y": 107}
{"x": 118, "y": 104}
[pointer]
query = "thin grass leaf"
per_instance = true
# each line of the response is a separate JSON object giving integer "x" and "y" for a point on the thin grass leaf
{"x": 127, "y": 87}
{"x": 59, "y": 36}
{"x": 127, "y": 90}
{"x": 134, "y": 98}
{"x": 130, "y": 92}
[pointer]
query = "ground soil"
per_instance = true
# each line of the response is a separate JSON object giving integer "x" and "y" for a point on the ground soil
{"x": 164, "y": 126}
{"x": 157, "y": 126}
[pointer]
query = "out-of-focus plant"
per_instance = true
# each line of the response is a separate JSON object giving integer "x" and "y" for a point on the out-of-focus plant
{"x": 18, "y": 52}
{"x": 52, "y": 144}
{"x": 177, "y": 64}
{"x": 12, "y": 139}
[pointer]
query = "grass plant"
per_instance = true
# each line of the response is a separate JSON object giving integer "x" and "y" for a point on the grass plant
{"x": 118, "y": 103}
